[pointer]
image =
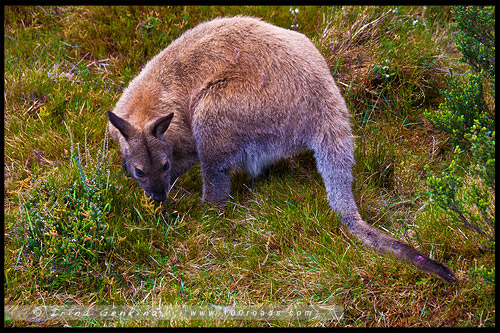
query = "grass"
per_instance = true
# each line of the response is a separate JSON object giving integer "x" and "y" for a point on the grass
{"x": 77, "y": 231}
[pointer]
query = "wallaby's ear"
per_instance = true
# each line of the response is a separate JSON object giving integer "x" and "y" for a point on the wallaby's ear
{"x": 161, "y": 125}
{"x": 123, "y": 126}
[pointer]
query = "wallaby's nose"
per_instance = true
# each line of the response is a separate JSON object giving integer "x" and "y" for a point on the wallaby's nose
{"x": 158, "y": 196}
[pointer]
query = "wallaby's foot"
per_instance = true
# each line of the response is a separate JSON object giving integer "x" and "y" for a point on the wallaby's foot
{"x": 216, "y": 185}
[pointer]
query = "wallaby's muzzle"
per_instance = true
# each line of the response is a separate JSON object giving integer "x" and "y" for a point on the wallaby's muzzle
{"x": 161, "y": 196}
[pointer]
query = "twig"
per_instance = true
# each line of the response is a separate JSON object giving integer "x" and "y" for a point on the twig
{"x": 79, "y": 62}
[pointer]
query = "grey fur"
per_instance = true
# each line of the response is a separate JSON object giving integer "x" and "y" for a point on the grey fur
{"x": 243, "y": 94}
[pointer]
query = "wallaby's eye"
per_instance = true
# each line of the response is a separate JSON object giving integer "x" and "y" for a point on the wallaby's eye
{"x": 139, "y": 172}
{"x": 166, "y": 166}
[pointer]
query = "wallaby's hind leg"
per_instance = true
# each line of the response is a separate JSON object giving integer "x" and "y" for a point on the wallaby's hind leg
{"x": 334, "y": 161}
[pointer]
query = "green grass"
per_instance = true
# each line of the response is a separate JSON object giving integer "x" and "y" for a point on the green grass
{"x": 77, "y": 231}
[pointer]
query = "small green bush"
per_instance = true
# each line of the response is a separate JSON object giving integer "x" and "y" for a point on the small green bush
{"x": 465, "y": 189}
{"x": 464, "y": 105}
{"x": 465, "y": 196}
{"x": 64, "y": 220}
{"x": 476, "y": 37}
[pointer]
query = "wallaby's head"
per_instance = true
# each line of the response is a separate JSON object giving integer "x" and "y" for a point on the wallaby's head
{"x": 147, "y": 155}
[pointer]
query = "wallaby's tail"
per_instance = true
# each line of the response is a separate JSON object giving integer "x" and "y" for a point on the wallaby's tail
{"x": 333, "y": 151}
{"x": 385, "y": 244}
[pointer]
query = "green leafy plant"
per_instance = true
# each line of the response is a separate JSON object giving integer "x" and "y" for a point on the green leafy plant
{"x": 465, "y": 189}
{"x": 465, "y": 196}
{"x": 487, "y": 275}
{"x": 65, "y": 229}
{"x": 464, "y": 105}
{"x": 476, "y": 37}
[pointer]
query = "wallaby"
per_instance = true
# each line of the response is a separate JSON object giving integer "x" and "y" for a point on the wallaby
{"x": 241, "y": 93}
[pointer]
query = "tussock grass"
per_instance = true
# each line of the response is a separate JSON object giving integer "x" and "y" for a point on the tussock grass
{"x": 78, "y": 231}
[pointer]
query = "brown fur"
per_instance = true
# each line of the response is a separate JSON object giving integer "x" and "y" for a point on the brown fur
{"x": 243, "y": 94}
